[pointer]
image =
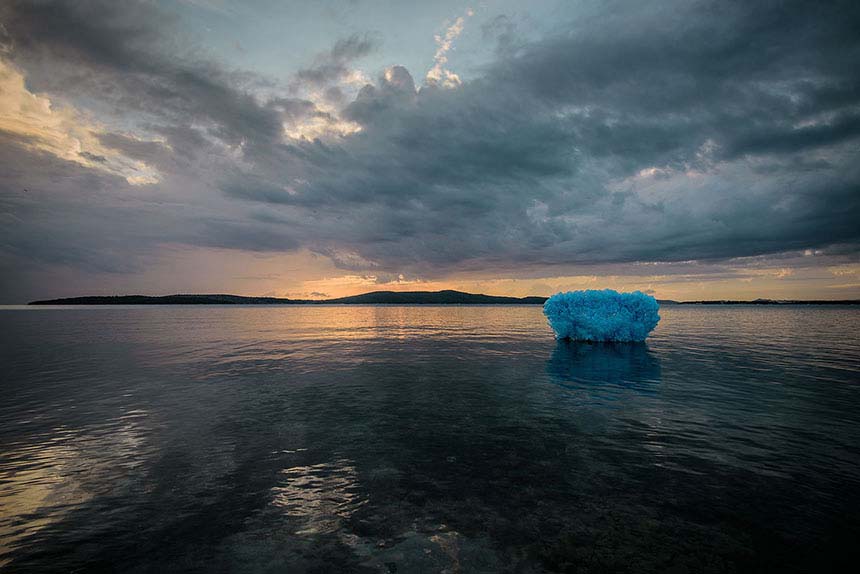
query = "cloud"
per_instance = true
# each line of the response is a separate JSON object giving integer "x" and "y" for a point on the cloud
{"x": 632, "y": 134}
{"x": 37, "y": 123}
{"x": 503, "y": 31}
{"x": 611, "y": 144}
{"x": 438, "y": 75}
{"x": 334, "y": 65}
{"x": 325, "y": 85}
{"x": 121, "y": 54}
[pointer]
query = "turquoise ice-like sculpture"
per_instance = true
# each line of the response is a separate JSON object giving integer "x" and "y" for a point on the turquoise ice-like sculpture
{"x": 602, "y": 315}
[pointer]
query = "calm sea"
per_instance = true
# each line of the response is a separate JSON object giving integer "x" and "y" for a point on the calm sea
{"x": 426, "y": 439}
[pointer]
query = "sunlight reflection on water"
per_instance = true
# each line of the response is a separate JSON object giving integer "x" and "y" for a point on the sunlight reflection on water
{"x": 321, "y": 496}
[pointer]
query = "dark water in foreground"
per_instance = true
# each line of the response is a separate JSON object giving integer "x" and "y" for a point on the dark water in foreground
{"x": 426, "y": 439}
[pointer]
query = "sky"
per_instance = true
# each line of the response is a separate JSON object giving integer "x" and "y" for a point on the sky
{"x": 689, "y": 149}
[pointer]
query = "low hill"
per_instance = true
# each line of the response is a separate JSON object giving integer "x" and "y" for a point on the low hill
{"x": 447, "y": 297}
{"x": 167, "y": 300}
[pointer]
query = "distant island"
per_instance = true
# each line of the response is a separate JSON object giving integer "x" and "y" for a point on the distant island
{"x": 447, "y": 297}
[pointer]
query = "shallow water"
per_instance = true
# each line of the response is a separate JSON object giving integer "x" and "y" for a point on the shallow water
{"x": 426, "y": 439}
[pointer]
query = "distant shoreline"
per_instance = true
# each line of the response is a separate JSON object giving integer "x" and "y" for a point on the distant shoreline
{"x": 447, "y": 297}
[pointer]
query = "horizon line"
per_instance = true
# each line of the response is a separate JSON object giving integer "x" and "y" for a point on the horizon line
{"x": 335, "y": 300}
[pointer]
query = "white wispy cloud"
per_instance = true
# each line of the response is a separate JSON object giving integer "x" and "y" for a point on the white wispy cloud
{"x": 439, "y": 75}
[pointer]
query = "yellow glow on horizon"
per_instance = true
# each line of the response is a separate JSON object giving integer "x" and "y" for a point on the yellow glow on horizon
{"x": 305, "y": 275}
{"x": 780, "y": 283}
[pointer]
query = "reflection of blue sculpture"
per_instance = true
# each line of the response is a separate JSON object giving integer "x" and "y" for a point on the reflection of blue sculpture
{"x": 575, "y": 363}
{"x": 605, "y": 315}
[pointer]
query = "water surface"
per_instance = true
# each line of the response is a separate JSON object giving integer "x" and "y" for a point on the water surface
{"x": 426, "y": 439}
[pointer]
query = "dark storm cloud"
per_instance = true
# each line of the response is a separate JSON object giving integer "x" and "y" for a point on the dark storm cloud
{"x": 93, "y": 157}
{"x": 334, "y": 65}
{"x": 252, "y": 188}
{"x": 121, "y": 54}
{"x": 150, "y": 152}
{"x": 658, "y": 78}
{"x": 665, "y": 131}
{"x": 502, "y": 30}
{"x": 539, "y": 160}
{"x": 58, "y": 213}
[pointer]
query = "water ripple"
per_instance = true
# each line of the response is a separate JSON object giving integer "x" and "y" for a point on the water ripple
{"x": 425, "y": 438}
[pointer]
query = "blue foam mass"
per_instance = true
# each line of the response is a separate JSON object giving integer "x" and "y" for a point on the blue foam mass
{"x": 607, "y": 315}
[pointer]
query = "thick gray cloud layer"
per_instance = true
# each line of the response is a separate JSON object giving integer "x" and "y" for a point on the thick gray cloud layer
{"x": 334, "y": 65}
{"x": 658, "y": 131}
